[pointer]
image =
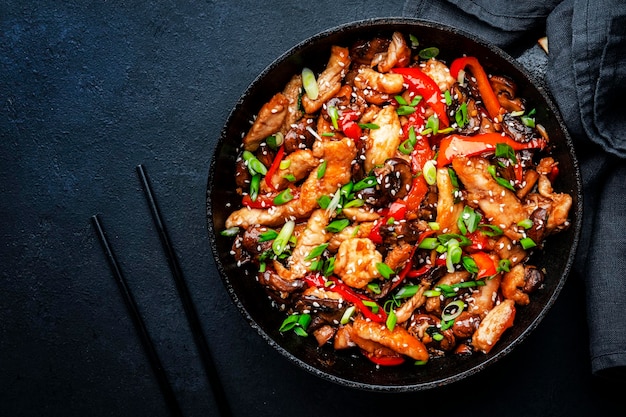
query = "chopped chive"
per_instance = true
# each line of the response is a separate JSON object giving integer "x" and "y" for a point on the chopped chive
{"x": 447, "y": 97}
{"x": 414, "y": 41}
{"x": 284, "y": 164}
{"x": 290, "y": 177}
{"x": 371, "y": 126}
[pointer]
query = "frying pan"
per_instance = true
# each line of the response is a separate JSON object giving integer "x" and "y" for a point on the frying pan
{"x": 347, "y": 368}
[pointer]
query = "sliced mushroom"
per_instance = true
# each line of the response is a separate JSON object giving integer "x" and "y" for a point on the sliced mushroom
{"x": 506, "y": 91}
{"x": 395, "y": 179}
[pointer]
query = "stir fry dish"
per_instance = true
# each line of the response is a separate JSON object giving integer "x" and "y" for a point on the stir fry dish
{"x": 391, "y": 202}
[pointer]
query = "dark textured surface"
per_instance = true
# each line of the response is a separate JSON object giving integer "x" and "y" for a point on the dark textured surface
{"x": 90, "y": 90}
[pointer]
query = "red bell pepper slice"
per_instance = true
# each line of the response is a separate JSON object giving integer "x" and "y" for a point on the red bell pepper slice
{"x": 349, "y": 295}
{"x": 384, "y": 360}
{"x": 486, "y": 265}
{"x": 261, "y": 202}
{"x": 479, "y": 241}
{"x": 421, "y": 84}
{"x": 397, "y": 210}
{"x": 487, "y": 94}
{"x": 348, "y": 123}
{"x": 274, "y": 167}
{"x": 416, "y": 193}
{"x": 315, "y": 280}
{"x": 460, "y": 145}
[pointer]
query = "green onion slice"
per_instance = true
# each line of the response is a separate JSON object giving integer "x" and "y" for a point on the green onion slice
{"x": 384, "y": 270}
{"x": 337, "y": 226}
{"x": 317, "y": 251}
{"x": 310, "y": 83}
{"x": 469, "y": 264}
{"x": 367, "y": 182}
{"x": 430, "y": 172}
{"x": 283, "y": 197}
{"x": 275, "y": 141}
{"x": 428, "y": 53}
{"x": 526, "y": 223}
{"x": 371, "y": 126}
{"x": 391, "y": 320}
{"x": 527, "y": 243}
{"x": 334, "y": 116}
{"x": 452, "y": 310}
{"x": 268, "y": 235}
{"x": 282, "y": 240}
{"x": 429, "y": 243}
{"x": 321, "y": 170}
{"x": 407, "y": 291}
{"x": 504, "y": 150}
{"x": 254, "y": 165}
{"x": 255, "y": 186}
{"x": 347, "y": 314}
{"x": 231, "y": 231}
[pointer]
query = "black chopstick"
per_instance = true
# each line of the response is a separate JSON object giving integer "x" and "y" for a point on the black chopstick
{"x": 155, "y": 362}
{"x": 188, "y": 305}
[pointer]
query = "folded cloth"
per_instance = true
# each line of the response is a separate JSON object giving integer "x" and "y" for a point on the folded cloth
{"x": 586, "y": 74}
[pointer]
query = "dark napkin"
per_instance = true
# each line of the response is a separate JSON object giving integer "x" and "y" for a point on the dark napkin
{"x": 585, "y": 72}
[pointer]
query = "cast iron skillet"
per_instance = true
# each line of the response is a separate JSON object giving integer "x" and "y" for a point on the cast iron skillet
{"x": 346, "y": 368}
